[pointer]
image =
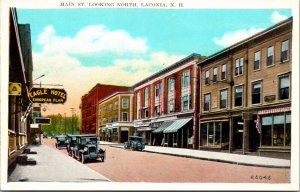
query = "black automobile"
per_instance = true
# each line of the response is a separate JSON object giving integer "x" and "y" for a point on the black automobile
{"x": 71, "y": 143}
{"x": 87, "y": 148}
{"x": 61, "y": 141}
{"x": 135, "y": 143}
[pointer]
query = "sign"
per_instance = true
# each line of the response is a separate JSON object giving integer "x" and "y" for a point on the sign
{"x": 34, "y": 126}
{"x": 270, "y": 98}
{"x": 14, "y": 89}
{"x": 45, "y": 95}
{"x": 42, "y": 120}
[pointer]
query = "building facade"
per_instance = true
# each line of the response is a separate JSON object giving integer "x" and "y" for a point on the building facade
{"x": 115, "y": 117}
{"x": 20, "y": 81}
{"x": 89, "y": 105}
{"x": 164, "y": 105}
{"x": 246, "y": 95}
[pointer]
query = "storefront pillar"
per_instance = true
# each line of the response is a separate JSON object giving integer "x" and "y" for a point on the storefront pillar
{"x": 119, "y": 134}
{"x": 246, "y": 136}
{"x": 230, "y": 135}
{"x": 150, "y": 143}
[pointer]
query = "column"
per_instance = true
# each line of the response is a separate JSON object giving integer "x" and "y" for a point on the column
{"x": 246, "y": 136}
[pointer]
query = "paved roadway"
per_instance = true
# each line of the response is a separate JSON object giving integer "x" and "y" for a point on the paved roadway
{"x": 53, "y": 166}
{"x": 134, "y": 166}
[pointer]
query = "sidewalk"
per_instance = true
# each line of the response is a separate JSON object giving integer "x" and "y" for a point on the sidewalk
{"x": 52, "y": 165}
{"x": 215, "y": 156}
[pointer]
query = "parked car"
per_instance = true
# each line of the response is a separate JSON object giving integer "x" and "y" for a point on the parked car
{"x": 61, "y": 141}
{"x": 87, "y": 148}
{"x": 135, "y": 143}
{"x": 71, "y": 142}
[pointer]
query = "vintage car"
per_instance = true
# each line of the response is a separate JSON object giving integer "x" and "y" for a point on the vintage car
{"x": 71, "y": 142}
{"x": 135, "y": 143}
{"x": 61, "y": 141}
{"x": 87, "y": 148}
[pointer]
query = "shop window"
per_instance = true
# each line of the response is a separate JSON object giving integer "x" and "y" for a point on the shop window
{"x": 278, "y": 130}
{"x": 214, "y": 134}
{"x": 287, "y": 134}
{"x": 239, "y": 66}
{"x": 238, "y": 96}
{"x": 223, "y": 99}
{"x": 284, "y": 87}
{"x": 203, "y": 141}
{"x": 266, "y": 130}
{"x": 257, "y": 60}
{"x": 206, "y": 77}
{"x": 270, "y": 56}
{"x": 215, "y": 76}
{"x": 207, "y": 102}
{"x": 223, "y": 76}
{"x": 256, "y": 92}
{"x": 284, "y": 50}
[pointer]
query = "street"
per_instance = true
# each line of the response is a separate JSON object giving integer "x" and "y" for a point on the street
{"x": 134, "y": 166}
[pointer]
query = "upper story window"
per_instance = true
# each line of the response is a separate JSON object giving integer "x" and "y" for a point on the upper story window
{"x": 284, "y": 50}
{"x": 146, "y": 97}
{"x": 238, "y": 96}
{"x": 257, "y": 60}
{"x": 215, "y": 76}
{"x": 171, "y": 95}
{"x": 157, "y": 102}
{"x": 270, "y": 56}
{"x": 239, "y": 66}
{"x": 104, "y": 109}
{"x": 110, "y": 106}
{"x": 185, "y": 79}
{"x": 284, "y": 86}
{"x": 125, "y": 103}
{"x": 124, "y": 116}
{"x": 157, "y": 90}
{"x": 207, "y": 102}
{"x": 223, "y": 99}
{"x": 99, "y": 110}
{"x": 207, "y": 77}
{"x": 185, "y": 91}
{"x": 223, "y": 76}
{"x": 116, "y": 119}
{"x": 138, "y": 105}
{"x": 256, "y": 92}
{"x": 116, "y": 104}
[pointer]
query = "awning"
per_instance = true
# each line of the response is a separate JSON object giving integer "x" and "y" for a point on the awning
{"x": 177, "y": 125}
{"x": 277, "y": 110}
{"x": 163, "y": 126}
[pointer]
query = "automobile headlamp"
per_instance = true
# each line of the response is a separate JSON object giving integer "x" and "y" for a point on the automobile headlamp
{"x": 85, "y": 148}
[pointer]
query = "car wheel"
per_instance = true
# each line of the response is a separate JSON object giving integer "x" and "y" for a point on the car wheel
{"x": 82, "y": 159}
{"x": 102, "y": 159}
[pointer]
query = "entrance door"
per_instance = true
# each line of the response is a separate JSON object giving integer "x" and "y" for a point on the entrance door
{"x": 124, "y": 136}
{"x": 238, "y": 129}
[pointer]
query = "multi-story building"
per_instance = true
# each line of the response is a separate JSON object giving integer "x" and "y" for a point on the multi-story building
{"x": 89, "y": 105}
{"x": 20, "y": 81}
{"x": 165, "y": 105}
{"x": 246, "y": 95}
{"x": 115, "y": 117}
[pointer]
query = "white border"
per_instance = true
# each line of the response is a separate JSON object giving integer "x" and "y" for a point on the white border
{"x": 188, "y": 4}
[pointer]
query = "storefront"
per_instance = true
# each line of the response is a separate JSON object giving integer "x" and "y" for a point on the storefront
{"x": 274, "y": 126}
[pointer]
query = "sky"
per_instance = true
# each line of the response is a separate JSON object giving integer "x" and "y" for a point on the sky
{"x": 79, "y": 48}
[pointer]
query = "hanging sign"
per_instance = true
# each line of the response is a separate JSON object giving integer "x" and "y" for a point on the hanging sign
{"x": 47, "y": 95}
{"x": 14, "y": 89}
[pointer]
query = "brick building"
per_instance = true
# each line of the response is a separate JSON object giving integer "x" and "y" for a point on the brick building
{"x": 89, "y": 105}
{"x": 246, "y": 95}
{"x": 164, "y": 105}
{"x": 115, "y": 117}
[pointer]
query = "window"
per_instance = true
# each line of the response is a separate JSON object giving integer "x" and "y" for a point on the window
{"x": 257, "y": 60}
{"x": 276, "y": 129}
{"x": 146, "y": 102}
{"x": 116, "y": 104}
{"x": 206, "y": 77}
{"x": 124, "y": 116}
{"x": 270, "y": 56}
{"x": 146, "y": 113}
{"x": 215, "y": 77}
{"x": 284, "y": 50}
{"x": 284, "y": 87}
{"x": 157, "y": 102}
{"x": 157, "y": 90}
{"x": 185, "y": 91}
{"x": 116, "y": 119}
{"x": 239, "y": 66}
{"x": 110, "y": 119}
{"x": 171, "y": 95}
{"x": 214, "y": 134}
{"x": 238, "y": 96}
{"x": 207, "y": 102}
{"x": 256, "y": 92}
{"x": 104, "y": 109}
{"x": 223, "y": 98}
{"x": 124, "y": 103}
{"x": 110, "y": 107}
{"x": 223, "y": 76}
{"x": 138, "y": 105}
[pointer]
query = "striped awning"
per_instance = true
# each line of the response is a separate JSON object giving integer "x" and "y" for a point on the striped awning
{"x": 177, "y": 124}
{"x": 277, "y": 110}
{"x": 161, "y": 128}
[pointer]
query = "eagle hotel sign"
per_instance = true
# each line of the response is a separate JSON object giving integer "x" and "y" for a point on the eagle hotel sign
{"x": 45, "y": 95}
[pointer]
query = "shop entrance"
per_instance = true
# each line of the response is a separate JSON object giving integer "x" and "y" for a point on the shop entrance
{"x": 124, "y": 136}
{"x": 238, "y": 130}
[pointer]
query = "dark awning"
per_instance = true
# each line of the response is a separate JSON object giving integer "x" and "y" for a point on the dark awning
{"x": 163, "y": 126}
{"x": 177, "y": 124}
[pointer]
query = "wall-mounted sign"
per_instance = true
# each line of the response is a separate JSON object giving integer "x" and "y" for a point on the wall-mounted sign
{"x": 45, "y": 95}
{"x": 42, "y": 120}
{"x": 14, "y": 89}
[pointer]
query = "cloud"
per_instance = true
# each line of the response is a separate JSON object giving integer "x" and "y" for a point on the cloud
{"x": 89, "y": 40}
{"x": 231, "y": 38}
{"x": 277, "y": 17}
